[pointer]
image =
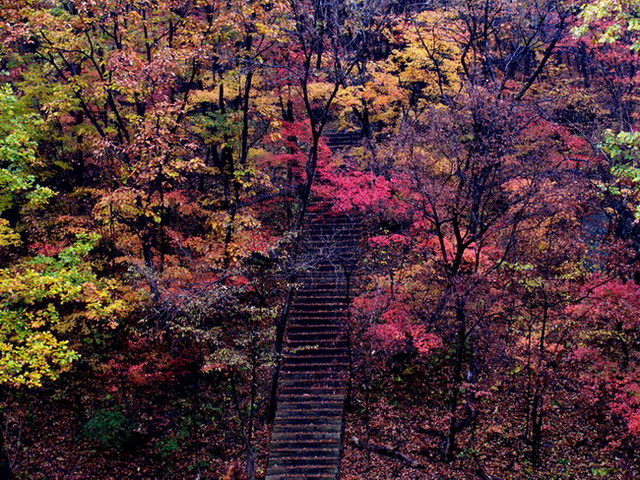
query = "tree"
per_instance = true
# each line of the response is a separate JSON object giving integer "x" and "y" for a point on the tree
{"x": 48, "y": 303}
{"x": 611, "y": 20}
{"x": 327, "y": 42}
{"x": 19, "y": 190}
{"x": 476, "y": 191}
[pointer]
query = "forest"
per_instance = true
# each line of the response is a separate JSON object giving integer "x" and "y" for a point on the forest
{"x": 319, "y": 239}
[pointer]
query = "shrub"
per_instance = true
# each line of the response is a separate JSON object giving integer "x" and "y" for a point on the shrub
{"x": 108, "y": 427}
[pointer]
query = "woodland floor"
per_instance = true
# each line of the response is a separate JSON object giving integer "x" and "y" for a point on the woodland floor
{"x": 173, "y": 435}
{"x": 399, "y": 417}
{"x": 52, "y": 447}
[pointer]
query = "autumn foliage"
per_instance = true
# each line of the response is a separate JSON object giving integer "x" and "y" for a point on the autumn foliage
{"x": 158, "y": 161}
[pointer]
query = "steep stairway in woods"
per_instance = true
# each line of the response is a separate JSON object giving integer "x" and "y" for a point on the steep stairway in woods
{"x": 307, "y": 432}
{"x": 337, "y": 140}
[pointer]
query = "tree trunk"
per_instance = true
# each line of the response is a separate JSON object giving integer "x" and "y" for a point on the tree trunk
{"x": 280, "y": 329}
{"x": 5, "y": 462}
{"x": 536, "y": 426}
{"x": 454, "y": 395}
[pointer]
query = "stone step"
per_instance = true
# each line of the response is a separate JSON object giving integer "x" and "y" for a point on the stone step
{"x": 283, "y": 426}
{"x": 345, "y": 246}
{"x": 315, "y": 377}
{"x": 313, "y": 383}
{"x": 306, "y": 333}
{"x": 312, "y": 399}
{"x": 313, "y": 351}
{"x": 336, "y": 236}
{"x": 319, "y": 452}
{"x": 308, "y": 402}
{"x": 326, "y": 307}
{"x": 311, "y": 390}
{"x": 337, "y": 316}
{"x": 305, "y": 436}
{"x": 335, "y": 249}
{"x": 317, "y": 217}
{"x": 293, "y": 476}
{"x": 309, "y": 414}
{"x": 308, "y": 443}
{"x": 328, "y": 360}
{"x": 331, "y": 246}
{"x": 315, "y": 326}
{"x": 327, "y": 297}
{"x": 314, "y": 367}
{"x": 339, "y": 288}
{"x": 304, "y": 296}
{"x": 284, "y": 448}
{"x": 333, "y": 240}
{"x": 300, "y": 461}
{"x": 337, "y": 232}
{"x": 285, "y": 418}
{"x": 296, "y": 344}
{"x": 308, "y": 408}
{"x": 332, "y": 277}
{"x": 311, "y": 336}
{"x": 282, "y": 460}
{"x": 308, "y": 325}
{"x": 305, "y": 470}
{"x": 318, "y": 306}
{"x": 320, "y": 316}
{"x": 333, "y": 274}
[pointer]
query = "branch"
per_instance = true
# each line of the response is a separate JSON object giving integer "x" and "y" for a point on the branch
{"x": 387, "y": 452}
{"x": 545, "y": 58}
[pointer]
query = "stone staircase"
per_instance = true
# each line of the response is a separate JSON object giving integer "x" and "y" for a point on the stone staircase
{"x": 306, "y": 440}
{"x": 340, "y": 140}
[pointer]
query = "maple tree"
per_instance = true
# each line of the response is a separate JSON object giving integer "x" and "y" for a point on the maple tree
{"x": 465, "y": 237}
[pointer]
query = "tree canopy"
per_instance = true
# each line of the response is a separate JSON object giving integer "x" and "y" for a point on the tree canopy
{"x": 159, "y": 165}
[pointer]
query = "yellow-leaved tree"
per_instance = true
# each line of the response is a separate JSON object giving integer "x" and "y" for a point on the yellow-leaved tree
{"x": 47, "y": 303}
